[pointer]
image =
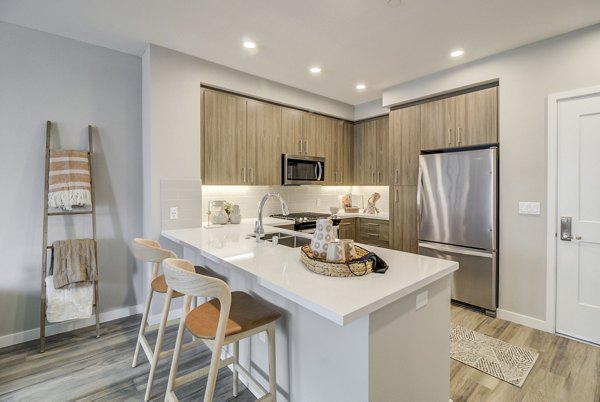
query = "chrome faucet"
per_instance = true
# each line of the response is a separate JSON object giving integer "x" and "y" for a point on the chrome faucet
{"x": 259, "y": 230}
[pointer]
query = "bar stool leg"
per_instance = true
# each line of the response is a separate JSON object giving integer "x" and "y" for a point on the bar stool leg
{"x": 214, "y": 370}
{"x": 176, "y": 353}
{"x": 159, "y": 340}
{"x": 272, "y": 380}
{"x": 236, "y": 354}
{"x": 143, "y": 325}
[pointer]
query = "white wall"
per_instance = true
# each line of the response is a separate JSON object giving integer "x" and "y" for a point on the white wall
{"x": 369, "y": 109}
{"x": 47, "y": 77}
{"x": 527, "y": 75}
{"x": 172, "y": 116}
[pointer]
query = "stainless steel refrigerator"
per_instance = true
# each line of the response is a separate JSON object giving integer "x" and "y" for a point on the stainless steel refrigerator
{"x": 457, "y": 200}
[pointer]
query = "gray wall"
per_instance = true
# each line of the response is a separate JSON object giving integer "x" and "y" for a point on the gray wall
{"x": 527, "y": 75}
{"x": 47, "y": 77}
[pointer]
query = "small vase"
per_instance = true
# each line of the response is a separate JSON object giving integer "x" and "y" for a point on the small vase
{"x": 322, "y": 237}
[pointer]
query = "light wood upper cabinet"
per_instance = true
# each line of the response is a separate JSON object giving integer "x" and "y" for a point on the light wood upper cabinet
{"x": 291, "y": 131}
{"x": 347, "y": 155}
{"x": 459, "y": 121}
{"x": 263, "y": 141}
{"x": 371, "y": 139}
{"x": 437, "y": 124}
{"x": 223, "y": 138}
{"x": 477, "y": 117}
{"x": 405, "y": 129}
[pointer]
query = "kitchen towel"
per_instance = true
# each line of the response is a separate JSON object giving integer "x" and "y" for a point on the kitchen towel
{"x": 69, "y": 179}
{"x": 73, "y": 262}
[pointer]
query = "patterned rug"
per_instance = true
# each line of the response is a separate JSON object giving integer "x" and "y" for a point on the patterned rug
{"x": 502, "y": 360}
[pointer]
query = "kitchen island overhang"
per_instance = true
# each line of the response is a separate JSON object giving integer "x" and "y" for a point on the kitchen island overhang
{"x": 351, "y": 339}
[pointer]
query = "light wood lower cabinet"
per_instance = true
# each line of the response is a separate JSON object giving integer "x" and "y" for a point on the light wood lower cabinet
{"x": 403, "y": 218}
{"x": 374, "y": 232}
{"x": 347, "y": 229}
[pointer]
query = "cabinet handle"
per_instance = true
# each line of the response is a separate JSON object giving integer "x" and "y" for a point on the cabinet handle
{"x": 244, "y": 174}
{"x": 306, "y": 146}
{"x": 372, "y": 224}
{"x": 345, "y": 224}
{"x": 459, "y": 137}
{"x": 449, "y": 136}
{"x": 342, "y": 177}
{"x": 373, "y": 234}
{"x": 300, "y": 142}
{"x": 379, "y": 175}
{"x": 251, "y": 180}
{"x": 397, "y": 196}
{"x": 373, "y": 178}
{"x": 396, "y": 177}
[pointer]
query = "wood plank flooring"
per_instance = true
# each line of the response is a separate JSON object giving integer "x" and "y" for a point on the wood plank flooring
{"x": 566, "y": 370}
{"x": 76, "y": 366}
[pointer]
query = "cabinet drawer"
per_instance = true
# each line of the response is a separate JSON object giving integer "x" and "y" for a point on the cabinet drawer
{"x": 347, "y": 229}
{"x": 373, "y": 229}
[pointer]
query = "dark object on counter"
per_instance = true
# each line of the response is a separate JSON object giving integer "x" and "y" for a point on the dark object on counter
{"x": 379, "y": 266}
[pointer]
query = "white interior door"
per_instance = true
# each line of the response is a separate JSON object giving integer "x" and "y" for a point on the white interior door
{"x": 578, "y": 258}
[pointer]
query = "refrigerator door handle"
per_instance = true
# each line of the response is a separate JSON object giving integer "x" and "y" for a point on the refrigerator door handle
{"x": 419, "y": 191}
{"x": 456, "y": 250}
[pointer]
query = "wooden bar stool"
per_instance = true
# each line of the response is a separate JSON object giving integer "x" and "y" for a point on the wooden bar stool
{"x": 147, "y": 250}
{"x": 228, "y": 318}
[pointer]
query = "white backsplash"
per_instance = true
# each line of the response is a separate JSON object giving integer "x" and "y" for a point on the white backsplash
{"x": 299, "y": 198}
{"x": 186, "y": 195}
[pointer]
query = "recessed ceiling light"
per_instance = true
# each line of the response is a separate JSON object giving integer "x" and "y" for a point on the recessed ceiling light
{"x": 360, "y": 86}
{"x": 394, "y": 3}
{"x": 457, "y": 53}
{"x": 249, "y": 44}
{"x": 315, "y": 70}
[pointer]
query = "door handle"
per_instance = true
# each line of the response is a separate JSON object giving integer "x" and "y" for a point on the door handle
{"x": 306, "y": 146}
{"x": 449, "y": 136}
{"x": 565, "y": 229}
{"x": 300, "y": 146}
{"x": 459, "y": 136}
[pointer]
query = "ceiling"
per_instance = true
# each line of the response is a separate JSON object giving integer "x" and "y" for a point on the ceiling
{"x": 352, "y": 40}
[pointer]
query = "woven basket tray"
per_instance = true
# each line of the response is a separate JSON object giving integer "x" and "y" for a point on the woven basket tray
{"x": 328, "y": 268}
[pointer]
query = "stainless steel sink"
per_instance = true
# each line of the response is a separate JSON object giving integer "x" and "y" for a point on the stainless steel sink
{"x": 285, "y": 239}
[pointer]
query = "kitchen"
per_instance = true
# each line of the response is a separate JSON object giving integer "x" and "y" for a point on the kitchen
{"x": 168, "y": 142}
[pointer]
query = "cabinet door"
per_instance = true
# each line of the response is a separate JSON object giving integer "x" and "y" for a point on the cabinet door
{"x": 403, "y": 218}
{"x": 224, "y": 138}
{"x": 347, "y": 229}
{"x": 437, "y": 124}
{"x": 347, "y": 155}
{"x": 263, "y": 141}
{"x": 324, "y": 145}
{"x": 382, "y": 145}
{"x": 405, "y": 129}
{"x": 365, "y": 153}
{"x": 291, "y": 131}
{"x": 477, "y": 117}
{"x": 310, "y": 145}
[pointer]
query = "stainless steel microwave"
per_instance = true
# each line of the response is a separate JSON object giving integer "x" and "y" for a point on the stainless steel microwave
{"x": 299, "y": 169}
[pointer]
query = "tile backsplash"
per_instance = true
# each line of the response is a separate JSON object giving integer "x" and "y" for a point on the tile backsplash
{"x": 299, "y": 198}
{"x": 186, "y": 195}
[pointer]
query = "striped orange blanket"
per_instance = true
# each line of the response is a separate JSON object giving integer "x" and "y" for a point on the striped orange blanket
{"x": 69, "y": 179}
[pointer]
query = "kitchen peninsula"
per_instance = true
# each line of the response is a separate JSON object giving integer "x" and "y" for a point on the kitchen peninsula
{"x": 380, "y": 337}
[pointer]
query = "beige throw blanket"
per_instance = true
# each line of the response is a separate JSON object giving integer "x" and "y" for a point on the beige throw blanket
{"x": 74, "y": 262}
{"x": 69, "y": 179}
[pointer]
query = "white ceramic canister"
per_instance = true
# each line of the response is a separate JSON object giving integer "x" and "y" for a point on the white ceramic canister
{"x": 236, "y": 216}
{"x": 322, "y": 237}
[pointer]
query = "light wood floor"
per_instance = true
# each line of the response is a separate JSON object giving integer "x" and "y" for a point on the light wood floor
{"x": 76, "y": 366}
{"x": 566, "y": 370}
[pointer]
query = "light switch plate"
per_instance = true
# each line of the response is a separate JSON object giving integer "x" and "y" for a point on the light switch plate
{"x": 529, "y": 208}
{"x": 422, "y": 299}
{"x": 173, "y": 213}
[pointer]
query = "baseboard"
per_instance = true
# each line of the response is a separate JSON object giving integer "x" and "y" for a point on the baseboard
{"x": 60, "y": 327}
{"x": 525, "y": 320}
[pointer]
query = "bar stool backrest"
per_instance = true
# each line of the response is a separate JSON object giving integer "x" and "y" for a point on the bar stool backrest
{"x": 182, "y": 278}
{"x": 147, "y": 250}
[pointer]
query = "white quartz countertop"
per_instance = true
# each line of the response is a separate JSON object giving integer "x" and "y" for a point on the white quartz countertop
{"x": 381, "y": 216}
{"x": 279, "y": 268}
